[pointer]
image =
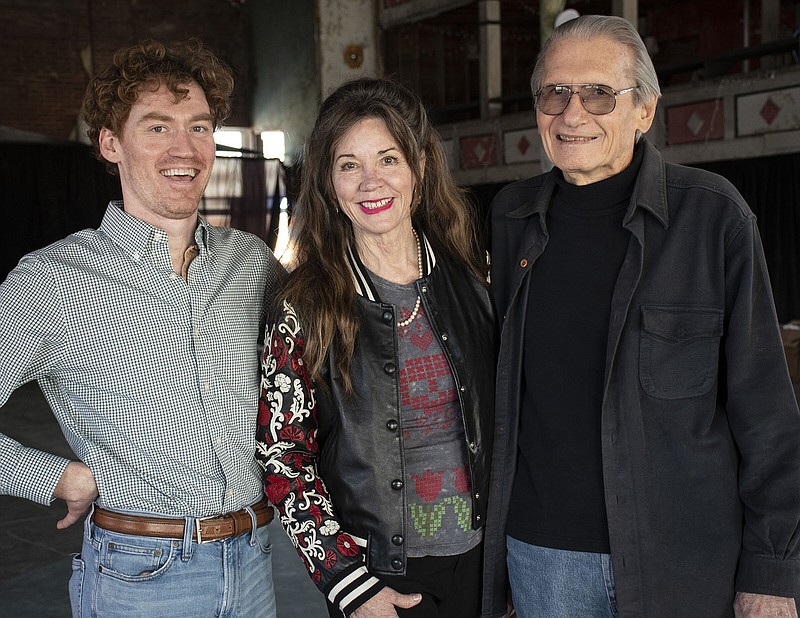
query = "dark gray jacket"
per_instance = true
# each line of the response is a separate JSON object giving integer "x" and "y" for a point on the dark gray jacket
{"x": 700, "y": 427}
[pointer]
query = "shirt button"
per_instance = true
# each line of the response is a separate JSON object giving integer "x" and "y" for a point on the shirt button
{"x": 392, "y": 424}
{"x": 174, "y": 275}
{"x": 389, "y": 368}
{"x": 397, "y": 564}
{"x": 397, "y": 539}
{"x": 523, "y": 263}
{"x": 397, "y": 484}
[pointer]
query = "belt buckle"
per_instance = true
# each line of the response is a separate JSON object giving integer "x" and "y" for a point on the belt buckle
{"x": 197, "y": 522}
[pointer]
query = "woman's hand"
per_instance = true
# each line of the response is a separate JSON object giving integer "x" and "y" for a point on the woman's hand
{"x": 382, "y": 604}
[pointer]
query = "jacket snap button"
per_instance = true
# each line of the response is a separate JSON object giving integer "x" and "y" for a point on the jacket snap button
{"x": 389, "y": 368}
{"x": 523, "y": 263}
{"x": 397, "y": 539}
{"x": 397, "y": 484}
{"x": 424, "y": 289}
{"x": 444, "y": 337}
{"x": 392, "y": 424}
{"x": 387, "y": 316}
{"x": 397, "y": 564}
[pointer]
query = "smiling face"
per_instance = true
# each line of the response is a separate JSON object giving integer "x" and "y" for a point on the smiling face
{"x": 164, "y": 154}
{"x": 585, "y": 147}
{"x": 374, "y": 183}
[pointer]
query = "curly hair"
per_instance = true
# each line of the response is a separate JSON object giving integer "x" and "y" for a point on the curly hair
{"x": 149, "y": 65}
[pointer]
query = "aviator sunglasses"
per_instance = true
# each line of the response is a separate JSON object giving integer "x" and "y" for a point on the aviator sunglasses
{"x": 597, "y": 99}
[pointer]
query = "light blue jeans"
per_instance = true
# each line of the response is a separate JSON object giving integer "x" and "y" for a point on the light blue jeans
{"x": 555, "y": 583}
{"x": 124, "y": 576}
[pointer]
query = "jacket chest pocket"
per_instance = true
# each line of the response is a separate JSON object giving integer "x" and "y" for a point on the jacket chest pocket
{"x": 679, "y": 351}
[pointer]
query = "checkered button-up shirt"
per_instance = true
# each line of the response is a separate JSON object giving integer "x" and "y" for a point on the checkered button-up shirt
{"x": 154, "y": 380}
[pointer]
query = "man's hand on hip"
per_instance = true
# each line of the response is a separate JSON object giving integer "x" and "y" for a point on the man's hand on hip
{"x": 78, "y": 489}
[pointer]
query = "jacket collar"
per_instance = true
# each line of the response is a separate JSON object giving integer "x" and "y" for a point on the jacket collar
{"x": 649, "y": 193}
{"x": 361, "y": 279}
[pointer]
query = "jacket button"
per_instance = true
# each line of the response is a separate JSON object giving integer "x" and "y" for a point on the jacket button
{"x": 444, "y": 337}
{"x": 397, "y": 484}
{"x": 389, "y": 368}
{"x": 397, "y": 539}
{"x": 387, "y": 316}
{"x": 523, "y": 263}
{"x": 424, "y": 289}
{"x": 392, "y": 424}
{"x": 397, "y": 564}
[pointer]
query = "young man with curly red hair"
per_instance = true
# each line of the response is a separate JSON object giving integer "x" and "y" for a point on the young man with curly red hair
{"x": 143, "y": 337}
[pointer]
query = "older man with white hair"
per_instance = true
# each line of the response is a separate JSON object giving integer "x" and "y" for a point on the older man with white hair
{"x": 647, "y": 451}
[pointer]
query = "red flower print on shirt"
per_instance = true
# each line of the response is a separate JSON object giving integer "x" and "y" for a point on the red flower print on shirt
{"x": 346, "y": 545}
{"x": 330, "y": 559}
{"x": 316, "y": 513}
{"x": 276, "y": 488}
{"x": 277, "y": 350}
{"x": 291, "y": 433}
{"x": 428, "y": 485}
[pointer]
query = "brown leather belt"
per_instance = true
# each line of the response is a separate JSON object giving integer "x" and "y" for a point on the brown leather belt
{"x": 205, "y": 528}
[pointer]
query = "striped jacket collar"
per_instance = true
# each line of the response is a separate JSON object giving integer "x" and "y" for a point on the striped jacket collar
{"x": 362, "y": 281}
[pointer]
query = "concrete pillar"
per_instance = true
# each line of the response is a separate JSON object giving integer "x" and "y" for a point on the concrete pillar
{"x": 347, "y": 43}
{"x": 629, "y": 9}
{"x": 770, "y": 27}
{"x": 548, "y": 11}
{"x": 491, "y": 68}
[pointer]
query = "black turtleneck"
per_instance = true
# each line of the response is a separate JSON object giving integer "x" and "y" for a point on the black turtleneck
{"x": 558, "y": 499}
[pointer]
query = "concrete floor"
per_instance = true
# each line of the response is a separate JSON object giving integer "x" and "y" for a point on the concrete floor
{"x": 35, "y": 564}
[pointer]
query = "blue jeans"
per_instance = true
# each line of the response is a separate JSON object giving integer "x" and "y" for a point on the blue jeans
{"x": 555, "y": 583}
{"x": 123, "y": 576}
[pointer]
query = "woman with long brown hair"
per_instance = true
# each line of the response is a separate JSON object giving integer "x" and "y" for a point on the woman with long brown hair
{"x": 378, "y": 373}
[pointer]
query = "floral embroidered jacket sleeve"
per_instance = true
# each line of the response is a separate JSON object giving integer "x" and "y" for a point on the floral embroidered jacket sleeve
{"x": 288, "y": 451}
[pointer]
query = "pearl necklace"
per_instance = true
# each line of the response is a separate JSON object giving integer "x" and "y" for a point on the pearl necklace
{"x": 414, "y": 313}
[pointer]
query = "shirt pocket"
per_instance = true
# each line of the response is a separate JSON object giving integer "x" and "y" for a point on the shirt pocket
{"x": 679, "y": 351}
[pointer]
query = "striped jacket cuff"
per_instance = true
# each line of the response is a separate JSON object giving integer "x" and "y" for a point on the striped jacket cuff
{"x": 352, "y": 588}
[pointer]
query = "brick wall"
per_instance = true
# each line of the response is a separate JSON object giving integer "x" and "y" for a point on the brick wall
{"x": 47, "y": 47}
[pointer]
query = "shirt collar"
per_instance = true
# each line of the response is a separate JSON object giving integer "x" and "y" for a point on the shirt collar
{"x": 361, "y": 278}
{"x": 136, "y": 237}
{"x": 649, "y": 191}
